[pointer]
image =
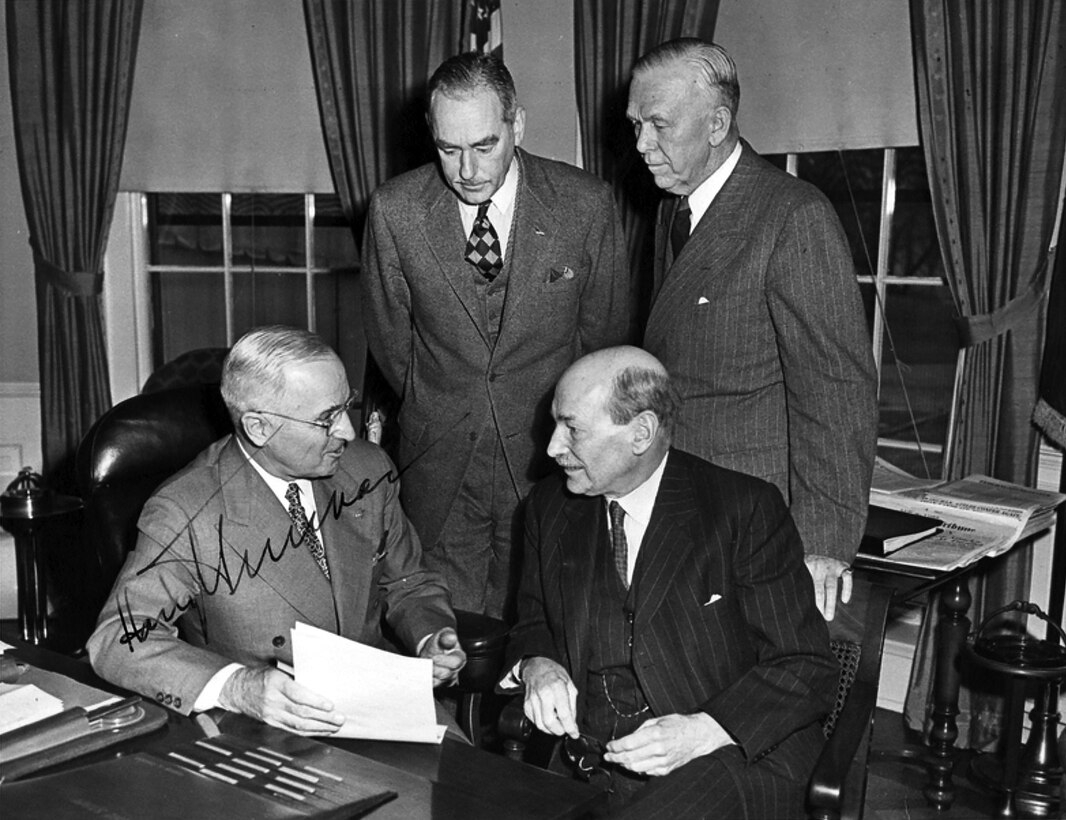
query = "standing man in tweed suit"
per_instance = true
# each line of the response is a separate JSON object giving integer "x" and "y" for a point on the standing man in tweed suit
{"x": 756, "y": 312}
{"x": 667, "y": 626}
{"x": 483, "y": 279}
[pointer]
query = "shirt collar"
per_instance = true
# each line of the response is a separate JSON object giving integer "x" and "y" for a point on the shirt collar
{"x": 279, "y": 486}
{"x": 639, "y": 502}
{"x": 701, "y": 198}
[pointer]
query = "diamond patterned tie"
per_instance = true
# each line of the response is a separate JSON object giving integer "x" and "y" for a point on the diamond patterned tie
{"x": 307, "y": 533}
{"x": 680, "y": 227}
{"x": 618, "y": 541}
{"x": 483, "y": 246}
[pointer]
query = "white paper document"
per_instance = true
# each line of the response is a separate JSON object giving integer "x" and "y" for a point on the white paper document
{"x": 22, "y": 704}
{"x": 384, "y": 696}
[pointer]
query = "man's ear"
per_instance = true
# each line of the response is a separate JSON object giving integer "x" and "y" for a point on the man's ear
{"x": 721, "y": 120}
{"x": 645, "y": 430}
{"x": 256, "y": 428}
{"x": 519, "y": 124}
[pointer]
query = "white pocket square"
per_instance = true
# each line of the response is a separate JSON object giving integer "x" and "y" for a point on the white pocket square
{"x": 703, "y": 300}
{"x": 713, "y": 599}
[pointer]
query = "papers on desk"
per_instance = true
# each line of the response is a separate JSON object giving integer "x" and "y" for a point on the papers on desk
{"x": 23, "y": 704}
{"x": 981, "y": 517}
{"x": 384, "y": 696}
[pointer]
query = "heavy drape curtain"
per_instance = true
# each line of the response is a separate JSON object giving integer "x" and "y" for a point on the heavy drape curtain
{"x": 608, "y": 38}
{"x": 71, "y": 67}
{"x": 371, "y": 60}
{"x": 991, "y": 78}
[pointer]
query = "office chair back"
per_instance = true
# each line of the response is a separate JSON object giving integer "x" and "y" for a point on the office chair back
{"x": 857, "y": 634}
{"x": 130, "y": 451}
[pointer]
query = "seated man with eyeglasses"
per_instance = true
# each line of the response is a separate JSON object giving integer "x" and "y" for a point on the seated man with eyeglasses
{"x": 667, "y": 625}
{"x": 290, "y": 518}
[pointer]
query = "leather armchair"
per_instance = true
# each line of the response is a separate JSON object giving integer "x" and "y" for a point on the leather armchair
{"x": 145, "y": 439}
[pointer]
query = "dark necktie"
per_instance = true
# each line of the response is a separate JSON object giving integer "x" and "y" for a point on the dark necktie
{"x": 618, "y": 541}
{"x": 307, "y": 534}
{"x": 679, "y": 228}
{"x": 483, "y": 246}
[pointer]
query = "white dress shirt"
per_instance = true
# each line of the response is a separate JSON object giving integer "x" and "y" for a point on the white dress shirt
{"x": 701, "y": 198}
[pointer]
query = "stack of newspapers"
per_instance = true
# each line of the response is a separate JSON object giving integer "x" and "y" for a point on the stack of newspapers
{"x": 979, "y": 516}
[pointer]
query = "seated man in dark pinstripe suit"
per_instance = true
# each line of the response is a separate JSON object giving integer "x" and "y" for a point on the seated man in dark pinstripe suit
{"x": 667, "y": 625}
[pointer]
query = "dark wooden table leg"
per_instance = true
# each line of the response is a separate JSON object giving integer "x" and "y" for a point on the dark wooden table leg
{"x": 951, "y": 630}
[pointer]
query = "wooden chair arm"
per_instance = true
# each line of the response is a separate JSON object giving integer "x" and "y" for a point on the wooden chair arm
{"x": 826, "y": 790}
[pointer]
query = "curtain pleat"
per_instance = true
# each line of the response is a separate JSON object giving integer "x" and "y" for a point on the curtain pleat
{"x": 371, "y": 60}
{"x": 608, "y": 38}
{"x": 990, "y": 80}
{"x": 71, "y": 67}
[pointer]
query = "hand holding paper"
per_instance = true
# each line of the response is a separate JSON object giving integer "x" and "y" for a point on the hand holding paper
{"x": 448, "y": 657}
{"x": 272, "y": 697}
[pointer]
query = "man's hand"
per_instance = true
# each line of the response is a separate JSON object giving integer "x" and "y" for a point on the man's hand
{"x": 663, "y": 744}
{"x": 275, "y": 698}
{"x": 825, "y": 571}
{"x": 447, "y": 655}
{"x": 551, "y": 697}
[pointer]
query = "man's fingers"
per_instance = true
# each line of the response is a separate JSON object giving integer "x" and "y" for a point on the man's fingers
{"x": 845, "y": 586}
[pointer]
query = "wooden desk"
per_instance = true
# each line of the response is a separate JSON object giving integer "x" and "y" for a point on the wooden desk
{"x": 447, "y": 775}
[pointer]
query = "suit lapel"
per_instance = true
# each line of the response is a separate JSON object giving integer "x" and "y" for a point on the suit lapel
{"x": 530, "y": 246}
{"x": 253, "y": 514}
{"x": 577, "y": 545}
{"x": 442, "y": 230}
{"x": 668, "y": 540}
{"x": 717, "y": 238}
{"x": 350, "y": 554}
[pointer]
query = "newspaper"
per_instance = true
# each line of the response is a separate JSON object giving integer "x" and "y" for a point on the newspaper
{"x": 982, "y": 516}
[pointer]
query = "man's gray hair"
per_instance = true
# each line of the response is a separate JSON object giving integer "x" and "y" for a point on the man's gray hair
{"x": 253, "y": 368}
{"x": 716, "y": 69}
{"x": 636, "y": 389}
{"x": 471, "y": 71}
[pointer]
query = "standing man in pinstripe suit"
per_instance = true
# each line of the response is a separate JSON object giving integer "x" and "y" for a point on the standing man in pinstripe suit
{"x": 757, "y": 312}
{"x": 667, "y": 627}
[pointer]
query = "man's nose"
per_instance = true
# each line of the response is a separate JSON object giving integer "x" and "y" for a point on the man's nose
{"x": 555, "y": 446}
{"x": 344, "y": 429}
{"x": 645, "y": 142}
{"x": 467, "y": 165}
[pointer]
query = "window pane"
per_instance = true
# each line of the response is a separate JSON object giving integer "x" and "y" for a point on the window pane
{"x": 915, "y": 250}
{"x": 188, "y": 312}
{"x": 917, "y": 373}
{"x": 852, "y": 182}
{"x": 268, "y": 298}
{"x": 268, "y": 230}
{"x": 337, "y": 306}
{"x": 185, "y": 229}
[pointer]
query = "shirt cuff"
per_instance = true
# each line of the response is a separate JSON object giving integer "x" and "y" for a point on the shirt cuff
{"x": 208, "y": 697}
{"x": 421, "y": 643}
{"x": 512, "y": 681}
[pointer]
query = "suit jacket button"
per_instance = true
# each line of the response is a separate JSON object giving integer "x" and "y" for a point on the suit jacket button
{"x": 279, "y": 641}
{"x": 169, "y": 699}
{"x": 177, "y": 703}
{"x": 473, "y": 436}
{"x": 159, "y": 696}
{"x": 492, "y": 376}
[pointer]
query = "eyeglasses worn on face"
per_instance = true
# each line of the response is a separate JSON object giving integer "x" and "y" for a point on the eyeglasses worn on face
{"x": 332, "y": 418}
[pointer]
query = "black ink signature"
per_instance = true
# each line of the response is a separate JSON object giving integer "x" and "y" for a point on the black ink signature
{"x": 131, "y": 632}
{"x": 220, "y": 577}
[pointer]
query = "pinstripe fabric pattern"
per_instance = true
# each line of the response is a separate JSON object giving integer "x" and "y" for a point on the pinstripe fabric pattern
{"x": 724, "y": 614}
{"x": 760, "y": 323}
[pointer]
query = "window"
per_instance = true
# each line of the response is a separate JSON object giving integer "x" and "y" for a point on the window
{"x": 882, "y": 198}
{"x": 220, "y": 264}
